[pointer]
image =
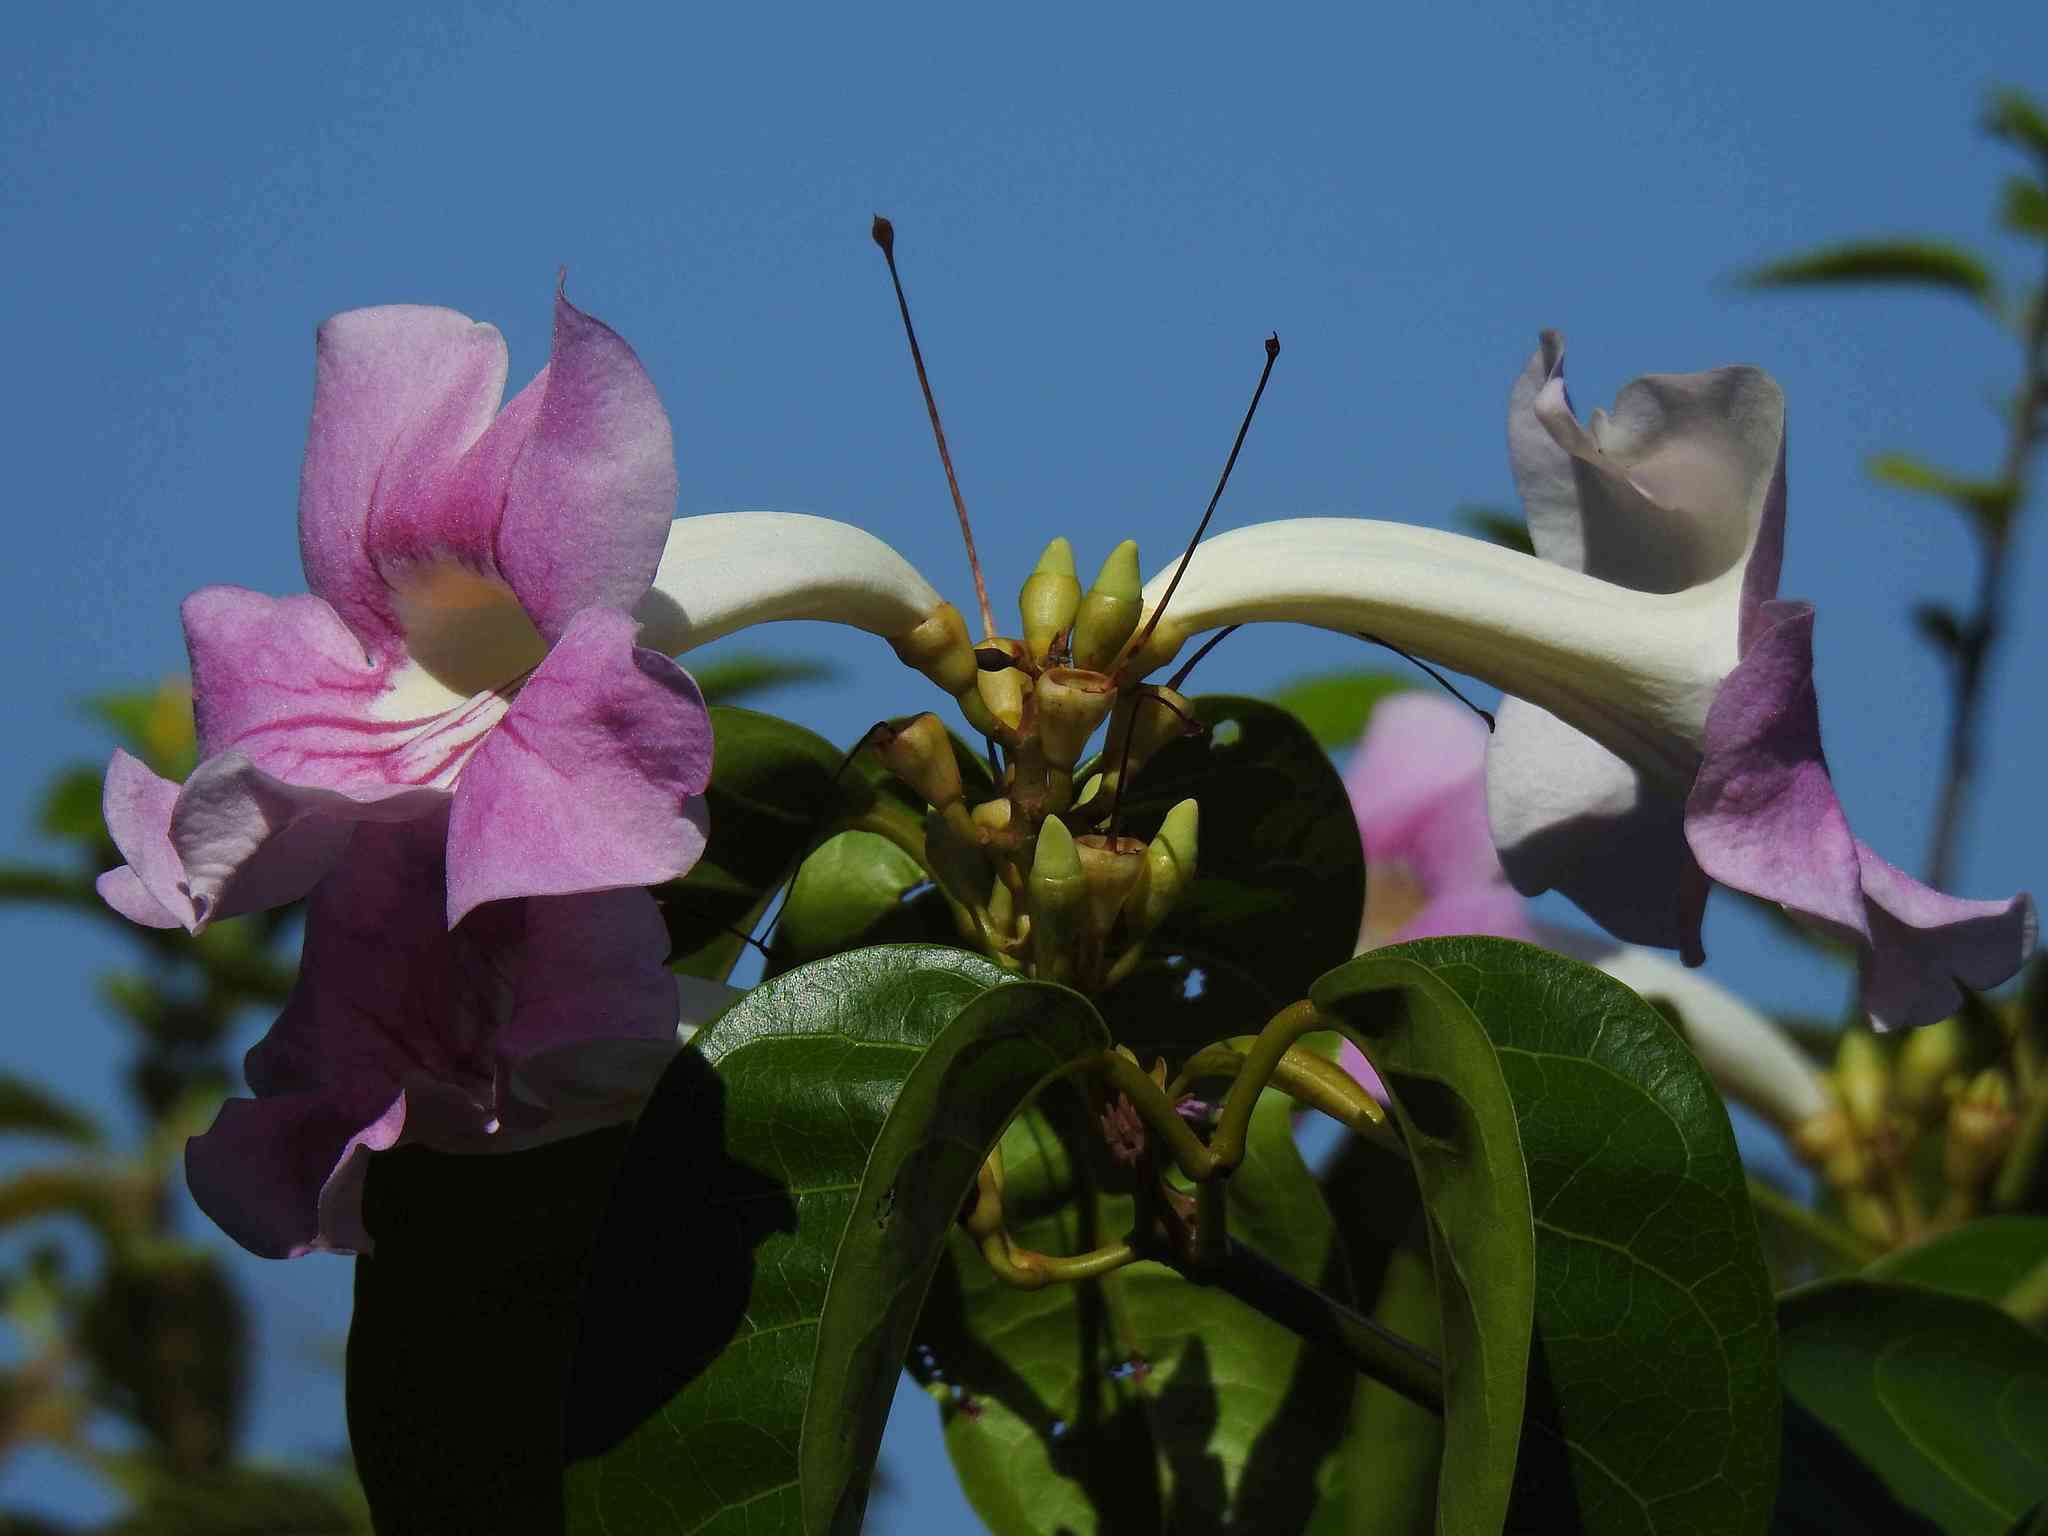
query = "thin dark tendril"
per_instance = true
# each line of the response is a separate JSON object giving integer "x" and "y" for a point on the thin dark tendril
{"x": 1123, "y": 767}
{"x": 1207, "y": 646}
{"x": 885, "y": 236}
{"x": 1272, "y": 356}
{"x": 1441, "y": 681}
{"x": 745, "y": 937}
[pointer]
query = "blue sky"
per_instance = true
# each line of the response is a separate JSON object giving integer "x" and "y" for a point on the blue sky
{"x": 1100, "y": 216}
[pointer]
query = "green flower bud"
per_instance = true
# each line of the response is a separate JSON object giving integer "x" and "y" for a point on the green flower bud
{"x": 1003, "y": 690}
{"x": 939, "y": 649}
{"x": 920, "y": 753}
{"x": 1049, "y": 599}
{"x": 1113, "y": 866}
{"x": 1071, "y": 703}
{"x": 1927, "y": 1060}
{"x": 1169, "y": 869}
{"x": 1109, "y": 612}
{"x": 1981, "y": 1128}
{"x": 1057, "y": 891}
{"x": 1863, "y": 1079}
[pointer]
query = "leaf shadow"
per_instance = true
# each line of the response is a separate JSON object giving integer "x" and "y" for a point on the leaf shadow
{"x": 668, "y": 1278}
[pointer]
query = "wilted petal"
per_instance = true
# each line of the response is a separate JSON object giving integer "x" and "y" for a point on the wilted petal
{"x": 399, "y": 394}
{"x": 592, "y": 781}
{"x": 727, "y": 570}
{"x": 1922, "y": 943}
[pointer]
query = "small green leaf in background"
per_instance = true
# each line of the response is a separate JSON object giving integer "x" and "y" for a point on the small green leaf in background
{"x": 853, "y": 1100}
{"x": 729, "y": 679}
{"x": 29, "y": 1109}
{"x": 2016, "y": 118}
{"x": 155, "y": 724}
{"x": 1945, "y": 1398}
{"x": 246, "y": 1501}
{"x": 1991, "y": 1259}
{"x": 1336, "y": 706}
{"x": 1499, "y": 526}
{"x": 1653, "y": 1400}
{"x": 1279, "y": 885}
{"x": 2024, "y": 210}
{"x": 1988, "y": 503}
{"x": 1449, "y": 1095}
{"x": 1138, "y": 1403}
{"x": 1932, "y": 263}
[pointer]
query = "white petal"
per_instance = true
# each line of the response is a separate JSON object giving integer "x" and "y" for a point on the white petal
{"x": 1747, "y": 1056}
{"x": 1634, "y": 670}
{"x": 728, "y": 570}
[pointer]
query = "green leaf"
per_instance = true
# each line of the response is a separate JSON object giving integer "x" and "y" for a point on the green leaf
{"x": 1651, "y": 1287}
{"x": 1336, "y": 706}
{"x": 856, "y": 890}
{"x": 1987, "y": 1259}
{"x": 728, "y": 679}
{"x": 2015, "y": 117}
{"x": 1499, "y": 526}
{"x": 1280, "y": 882}
{"x": 1138, "y": 1402}
{"x": 1458, "y": 1121}
{"x": 168, "y": 1341}
{"x": 2024, "y": 210}
{"x": 855, "y": 1099}
{"x": 1930, "y": 263}
{"x": 29, "y": 1109}
{"x": 70, "y": 810}
{"x": 155, "y": 724}
{"x": 1987, "y": 503}
{"x": 1944, "y": 1397}
{"x": 246, "y": 1501}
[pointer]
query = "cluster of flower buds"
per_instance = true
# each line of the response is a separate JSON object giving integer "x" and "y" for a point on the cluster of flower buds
{"x": 1883, "y": 1103}
{"x": 1039, "y": 875}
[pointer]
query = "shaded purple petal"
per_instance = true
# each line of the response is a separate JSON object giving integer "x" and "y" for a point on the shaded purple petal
{"x": 1352, "y": 1060}
{"x": 1923, "y": 943}
{"x": 1763, "y": 816}
{"x": 1568, "y": 815}
{"x": 399, "y": 394}
{"x": 284, "y": 1176}
{"x": 593, "y": 781}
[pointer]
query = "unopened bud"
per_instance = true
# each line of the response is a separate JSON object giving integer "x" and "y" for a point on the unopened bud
{"x": 1144, "y": 720}
{"x": 920, "y": 753}
{"x": 1071, "y": 704}
{"x": 992, "y": 819}
{"x": 939, "y": 648}
{"x": 1169, "y": 869}
{"x": 1863, "y": 1079}
{"x": 1827, "y": 1142}
{"x": 1113, "y": 866}
{"x": 1108, "y": 613}
{"x": 1051, "y": 595}
{"x": 1927, "y": 1060}
{"x": 1871, "y": 1219}
{"x": 1002, "y": 689}
{"x": 1057, "y": 892}
{"x": 1981, "y": 1128}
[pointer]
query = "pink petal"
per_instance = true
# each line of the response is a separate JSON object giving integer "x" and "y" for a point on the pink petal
{"x": 1415, "y": 746}
{"x": 283, "y": 681}
{"x": 399, "y": 394}
{"x": 1923, "y": 943}
{"x": 120, "y": 889}
{"x": 137, "y": 806}
{"x": 284, "y": 1176}
{"x": 593, "y": 781}
{"x": 1762, "y": 816}
{"x": 1569, "y": 815}
{"x": 1494, "y": 908}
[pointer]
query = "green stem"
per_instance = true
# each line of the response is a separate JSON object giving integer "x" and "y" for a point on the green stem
{"x": 1840, "y": 1241}
{"x": 1371, "y": 1350}
{"x": 1157, "y": 1111}
{"x": 1260, "y": 1062}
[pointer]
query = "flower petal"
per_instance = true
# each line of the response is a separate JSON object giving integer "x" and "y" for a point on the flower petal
{"x": 1682, "y": 483}
{"x": 137, "y": 806}
{"x": 284, "y": 1176}
{"x": 399, "y": 394}
{"x": 727, "y": 570}
{"x": 1415, "y": 747}
{"x": 1762, "y": 816}
{"x": 1922, "y": 943}
{"x": 592, "y": 781}
{"x": 1569, "y": 815}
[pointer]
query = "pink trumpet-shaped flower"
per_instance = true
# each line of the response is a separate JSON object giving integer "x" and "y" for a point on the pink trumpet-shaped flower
{"x": 1682, "y": 490}
{"x": 1417, "y": 785}
{"x": 467, "y": 645}
{"x": 533, "y": 1020}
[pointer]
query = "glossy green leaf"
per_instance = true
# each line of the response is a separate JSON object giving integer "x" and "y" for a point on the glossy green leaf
{"x": 1931, "y": 263}
{"x": 855, "y": 890}
{"x": 853, "y": 1101}
{"x": 1988, "y": 1259}
{"x": 29, "y": 1109}
{"x": 1336, "y": 706}
{"x": 1280, "y": 882}
{"x": 729, "y": 679}
{"x": 1651, "y": 1288}
{"x": 1946, "y": 1398}
{"x": 1452, "y": 1102}
{"x": 1139, "y": 1402}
